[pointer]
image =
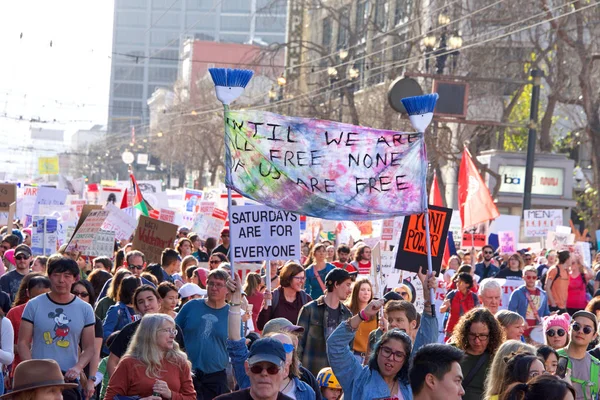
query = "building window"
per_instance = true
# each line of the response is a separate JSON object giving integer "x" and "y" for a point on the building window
{"x": 200, "y": 5}
{"x": 381, "y": 14}
{"x": 344, "y": 23}
{"x": 327, "y": 33}
{"x": 162, "y": 74}
{"x": 235, "y": 24}
{"x": 168, "y": 20}
{"x": 128, "y": 73}
{"x": 163, "y": 38}
{"x": 403, "y": 11}
{"x": 200, "y": 21}
{"x": 130, "y": 19}
{"x": 241, "y": 6}
{"x": 130, "y": 36}
{"x": 234, "y": 38}
{"x": 127, "y": 90}
{"x": 130, "y": 4}
{"x": 361, "y": 16}
{"x": 270, "y": 24}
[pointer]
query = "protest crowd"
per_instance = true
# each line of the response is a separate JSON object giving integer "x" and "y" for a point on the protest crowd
{"x": 117, "y": 326}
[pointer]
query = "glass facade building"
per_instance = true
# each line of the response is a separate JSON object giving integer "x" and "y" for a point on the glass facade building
{"x": 147, "y": 38}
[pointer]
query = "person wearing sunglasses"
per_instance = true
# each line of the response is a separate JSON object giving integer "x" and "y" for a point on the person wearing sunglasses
{"x": 224, "y": 246}
{"x": 154, "y": 367}
{"x": 556, "y": 329}
{"x": 291, "y": 385}
{"x": 10, "y": 282}
{"x": 486, "y": 269}
{"x": 584, "y": 367}
{"x": 514, "y": 269}
{"x": 266, "y": 371}
{"x": 530, "y": 302}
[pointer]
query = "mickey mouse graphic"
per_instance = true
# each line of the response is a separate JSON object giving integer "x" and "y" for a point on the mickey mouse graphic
{"x": 61, "y": 329}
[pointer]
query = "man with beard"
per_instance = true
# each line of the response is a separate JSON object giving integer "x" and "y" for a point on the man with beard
{"x": 486, "y": 269}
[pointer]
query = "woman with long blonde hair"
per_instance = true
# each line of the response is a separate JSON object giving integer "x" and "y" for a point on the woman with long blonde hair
{"x": 153, "y": 365}
{"x": 494, "y": 381}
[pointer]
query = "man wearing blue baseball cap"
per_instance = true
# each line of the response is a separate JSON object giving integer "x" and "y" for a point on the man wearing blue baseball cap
{"x": 265, "y": 369}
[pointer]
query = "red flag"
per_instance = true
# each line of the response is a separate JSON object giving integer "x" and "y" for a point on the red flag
{"x": 124, "y": 200}
{"x": 435, "y": 196}
{"x": 474, "y": 199}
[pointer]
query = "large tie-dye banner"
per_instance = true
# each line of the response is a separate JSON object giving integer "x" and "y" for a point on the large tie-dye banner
{"x": 325, "y": 169}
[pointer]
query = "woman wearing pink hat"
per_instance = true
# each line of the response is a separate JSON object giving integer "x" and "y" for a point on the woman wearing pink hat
{"x": 556, "y": 328}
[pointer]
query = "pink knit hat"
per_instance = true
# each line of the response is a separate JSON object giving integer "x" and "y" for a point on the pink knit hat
{"x": 562, "y": 321}
{"x": 9, "y": 255}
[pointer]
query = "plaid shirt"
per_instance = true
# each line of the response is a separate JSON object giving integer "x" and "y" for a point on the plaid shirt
{"x": 312, "y": 349}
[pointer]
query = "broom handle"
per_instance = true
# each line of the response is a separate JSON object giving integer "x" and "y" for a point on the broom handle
{"x": 228, "y": 179}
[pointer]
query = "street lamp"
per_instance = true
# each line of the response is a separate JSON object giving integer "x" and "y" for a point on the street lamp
{"x": 159, "y": 134}
{"x": 343, "y": 54}
{"x": 353, "y": 73}
{"x": 428, "y": 42}
{"x": 281, "y": 81}
{"x": 443, "y": 19}
{"x": 455, "y": 42}
{"x": 272, "y": 94}
{"x": 332, "y": 72}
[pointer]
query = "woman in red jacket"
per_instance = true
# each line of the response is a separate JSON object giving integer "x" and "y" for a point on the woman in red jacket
{"x": 459, "y": 301}
{"x": 153, "y": 367}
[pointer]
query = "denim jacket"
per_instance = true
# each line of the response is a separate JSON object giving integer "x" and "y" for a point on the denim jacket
{"x": 518, "y": 302}
{"x": 238, "y": 353}
{"x": 311, "y": 345}
{"x": 358, "y": 382}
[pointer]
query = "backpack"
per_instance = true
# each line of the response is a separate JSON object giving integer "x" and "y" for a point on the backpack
{"x": 594, "y": 371}
{"x": 276, "y": 294}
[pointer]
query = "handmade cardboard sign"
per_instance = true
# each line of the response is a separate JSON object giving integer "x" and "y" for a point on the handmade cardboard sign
{"x": 507, "y": 242}
{"x": 537, "y": 223}
{"x": 153, "y": 236}
{"x": 412, "y": 248}
{"x": 261, "y": 233}
{"x": 85, "y": 210}
{"x": 209, "y": 225}
{"x": 85, "y": 235}
{"x": 8, "y": 195}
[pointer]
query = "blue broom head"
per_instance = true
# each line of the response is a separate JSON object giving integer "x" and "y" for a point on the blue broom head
{"x": 229, "y": 83}
{"x": 230, "y": 77}
{"x": 419, "y": 105}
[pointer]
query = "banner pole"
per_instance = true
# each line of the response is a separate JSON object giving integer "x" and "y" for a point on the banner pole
{"x": 268, "y": 278}
{"x": 44, "y": 239}
{"x": 429, "y": 262}
{"x": 227, "y": 182}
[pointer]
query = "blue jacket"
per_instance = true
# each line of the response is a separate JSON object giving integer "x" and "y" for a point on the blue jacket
{"x": 428, "y": 332}
{"x": 358, "y": 382}
{"x": 492, "y": 270}
{"x": 518, "y": 302}
{"x": 238, "y": 353}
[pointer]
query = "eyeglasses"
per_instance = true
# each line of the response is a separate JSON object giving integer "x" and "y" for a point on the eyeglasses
{"x": 530, "y": 278}
{"x": 552, "y": 332}
{"x": 288, "y": 348}
{"x": 397, "y": 355}
{"x": 81, "y": 294}
{"x": 215, "y": 285}
{"x": 533, "y": 374}
{"x": 171, "y": 331}
{"x": 480, "y": 337}
{"x": 300, "y": 278}
{"x": 138, "y": 267}
{"x": 586, "y": 329}
{"x": 488, "y": 252}
{"x": 21, "y": 257}
{"x": 224, "y": 236}
{"x": 214, "y": 262}
{"x": 258, "y": 369}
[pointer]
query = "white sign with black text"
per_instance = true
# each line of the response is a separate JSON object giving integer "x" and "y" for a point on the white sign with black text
{"x": 261, "y": 233}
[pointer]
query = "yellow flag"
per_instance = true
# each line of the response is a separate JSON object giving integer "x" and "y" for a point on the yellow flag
{"x": 48, "y": 165}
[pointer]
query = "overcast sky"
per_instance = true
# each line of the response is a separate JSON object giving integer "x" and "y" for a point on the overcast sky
{"x": 68, "y": 81}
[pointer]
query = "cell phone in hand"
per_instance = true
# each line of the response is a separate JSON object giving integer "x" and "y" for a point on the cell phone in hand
{"x": 561, "y": 369}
